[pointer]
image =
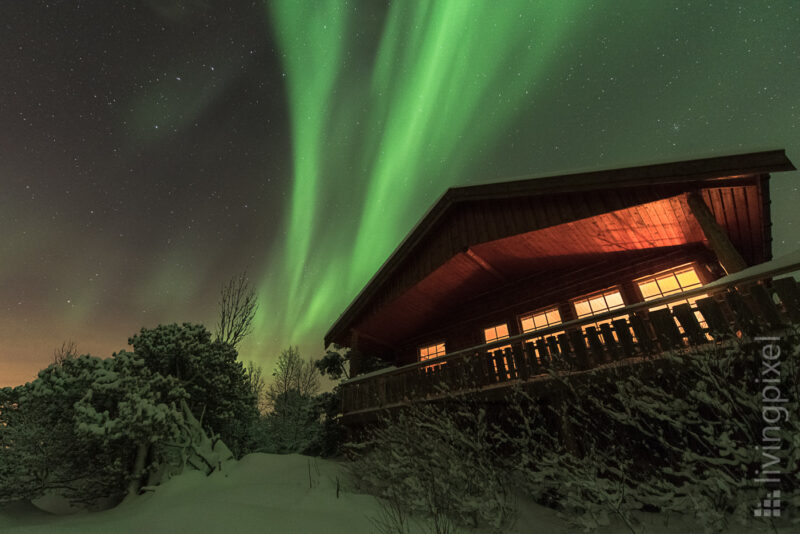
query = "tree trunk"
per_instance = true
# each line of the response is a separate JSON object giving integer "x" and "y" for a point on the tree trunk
{"x": 138, "y": 470}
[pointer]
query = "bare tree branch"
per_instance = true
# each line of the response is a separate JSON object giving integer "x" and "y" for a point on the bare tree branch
{"x": 238, "y": 305}
{"x": 258, "y": 386}
{"x": 67, "y": 351}
{"x": 292, "y": 373}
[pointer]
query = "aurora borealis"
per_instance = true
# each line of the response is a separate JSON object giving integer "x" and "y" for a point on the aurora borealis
{"x": 149, "y": 152}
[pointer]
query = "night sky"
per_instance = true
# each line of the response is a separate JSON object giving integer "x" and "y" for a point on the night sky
{"x": 151, "y": 150}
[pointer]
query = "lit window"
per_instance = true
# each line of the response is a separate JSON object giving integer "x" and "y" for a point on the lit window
{"x": 431, "y": 351}
{"x": 673, "y": 282}
{"x": 670, "y": 282}
{"x": 496, "y": 333}
{"x": 602, "y": 302}
{"x": 542, "y": 319}
{"x": 539, "y": 320}
{"x": 598, "y": 303}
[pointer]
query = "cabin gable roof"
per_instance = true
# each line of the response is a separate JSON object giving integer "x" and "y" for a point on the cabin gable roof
{"x": 466, "y": 217}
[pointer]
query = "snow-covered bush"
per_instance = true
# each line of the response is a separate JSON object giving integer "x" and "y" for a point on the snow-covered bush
{"x": 678, "y": 435}
{"x": 437, "y": 459}
{"x": 83, "y": 429}
{"x": 219, "y": 394}
{"x": 95, "y": 430}
{"x": 293, "y": 426}
{"x": 335, "y": 364}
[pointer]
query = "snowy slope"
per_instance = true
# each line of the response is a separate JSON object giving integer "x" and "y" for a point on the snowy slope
{"x": 261, "y": 493}
{"x": 266, "y": 494}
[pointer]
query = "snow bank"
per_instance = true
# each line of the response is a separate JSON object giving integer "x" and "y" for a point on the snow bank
{"x": 269, "y": 494}
{"x": 261, "y": 493}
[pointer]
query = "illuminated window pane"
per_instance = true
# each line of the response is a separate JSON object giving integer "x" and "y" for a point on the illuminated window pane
{"x": 664, "y": 284}
{"x": 553, "y": 317}
{"x": 673, "y": 282}
{"x": 539, "y": 320}
{"x": 493, "y": 334}
{"x": 598, "y": 305}
{"x": 582, "y": 308}
{"x": 688, "y": 279}
{"x": 527, "y": 324}
{"x": 668, "y": 284}
{"x": 432, "y": 351}
{"x": 496, "y": 332}
{"x": 649, "y": 289}
{"x": 614, "y": 300}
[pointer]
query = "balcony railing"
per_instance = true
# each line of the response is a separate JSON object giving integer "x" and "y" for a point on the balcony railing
{"x": 743, "y": 305}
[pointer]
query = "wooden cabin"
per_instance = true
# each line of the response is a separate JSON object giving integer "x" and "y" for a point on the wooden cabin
{"x": 505, "y": 278}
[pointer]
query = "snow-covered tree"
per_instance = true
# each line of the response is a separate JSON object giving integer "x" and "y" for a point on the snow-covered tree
{"x": 80, "y": 427}
{"x": 218, "y": 391}
{"x": 293, "y": 420}
{"x": 129, "y": 407}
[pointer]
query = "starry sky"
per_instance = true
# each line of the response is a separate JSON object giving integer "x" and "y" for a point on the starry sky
{"x": 151, "y": 150}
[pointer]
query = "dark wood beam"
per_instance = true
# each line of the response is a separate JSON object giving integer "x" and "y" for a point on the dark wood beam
{"x": 727, "y": 254}
{"x": 485, "y": 265}
{"x": 355, "y": 354}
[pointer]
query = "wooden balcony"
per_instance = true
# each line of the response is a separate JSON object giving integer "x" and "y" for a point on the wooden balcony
{"x": 748, "y": 304}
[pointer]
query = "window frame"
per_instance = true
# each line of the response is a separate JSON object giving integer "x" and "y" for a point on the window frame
{"x": 589, "y": 296}
{"x": 695, "y": 266}
{"x": 616, "y": 288}
{"x": 539, "y": 311}
{"x": 508, "y": 333}
{"x": 429, "y": 345}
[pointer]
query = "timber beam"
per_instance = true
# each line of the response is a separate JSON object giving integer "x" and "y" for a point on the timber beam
{"x": 729, "y": 257}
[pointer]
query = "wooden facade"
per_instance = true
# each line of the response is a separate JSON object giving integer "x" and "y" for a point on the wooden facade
{"x": 487, "y": 255}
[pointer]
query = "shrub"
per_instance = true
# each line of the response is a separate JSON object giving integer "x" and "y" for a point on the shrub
{"x": 679, "y": 435}
{"x": 83, "y": 429}
{"x": 440, "y": 460}
{"x": 219, "y": 393}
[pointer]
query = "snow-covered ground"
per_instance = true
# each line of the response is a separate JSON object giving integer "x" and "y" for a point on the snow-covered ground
{"x": 266, "y": 494}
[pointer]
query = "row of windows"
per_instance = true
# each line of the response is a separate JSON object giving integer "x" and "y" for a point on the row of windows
{"x": 652, "y": 287}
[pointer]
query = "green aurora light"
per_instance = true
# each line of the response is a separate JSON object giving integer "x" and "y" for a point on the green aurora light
{"x": 446, "y": 79}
